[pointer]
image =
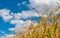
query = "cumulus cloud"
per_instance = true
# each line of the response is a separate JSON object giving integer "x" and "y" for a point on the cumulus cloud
{"x": 8, "y": 36}
{"x": 20, "y": 24}
{"x": 4, "y": 13}
{"x": 7, "y": 15}
{"x": 25, "y": 14}
{"x": 40, "y": 5}
{"x": 15, "y": 18}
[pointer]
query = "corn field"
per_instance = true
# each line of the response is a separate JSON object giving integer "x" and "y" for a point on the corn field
{"x": 47, "y": 27}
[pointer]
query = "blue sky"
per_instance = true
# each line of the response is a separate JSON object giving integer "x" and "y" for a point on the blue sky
{"x": 12, "y": 5}
{"x": 17, "y": 14}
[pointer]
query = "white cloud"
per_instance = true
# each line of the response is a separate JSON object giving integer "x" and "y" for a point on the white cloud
{"x": 20, "y": 24}
{"x": 57, "y": 1}
{"x": 14, "y": 18}
{"x": 26, "y": 14}
{"x": 43, "y": 1}
{"x": 30, "y": 13}
{"x": 8, "y": 36}
{"x": 4, "y": 13}
{"x": 11, "y": 29}
{"x": 3, "y": 37}
{"x": 40, "y": 5}
{"x": 40, "y": 1}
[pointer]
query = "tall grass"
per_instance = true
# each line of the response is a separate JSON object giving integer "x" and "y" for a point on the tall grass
{"x": 47, "y": 27}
